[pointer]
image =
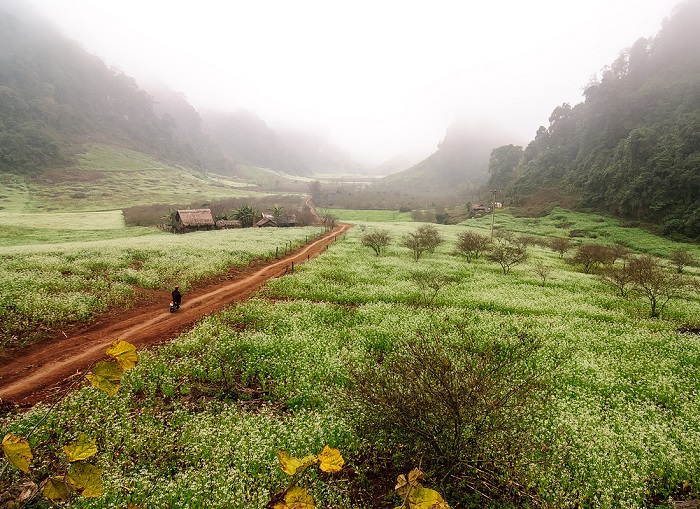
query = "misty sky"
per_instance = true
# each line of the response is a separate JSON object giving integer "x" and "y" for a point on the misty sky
{"x": 377, "y": 77}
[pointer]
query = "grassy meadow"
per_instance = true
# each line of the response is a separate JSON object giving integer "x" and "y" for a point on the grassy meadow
{"x": 197, "y": 423}
{"x": 106, "y": 177}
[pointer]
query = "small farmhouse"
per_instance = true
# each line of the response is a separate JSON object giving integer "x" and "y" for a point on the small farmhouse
{"x": 265, "y": 221}
{"x": 194, "y": 219}
{"x": 223, "y": 224}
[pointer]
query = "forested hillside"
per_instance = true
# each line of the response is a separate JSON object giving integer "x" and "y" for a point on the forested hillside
{"x": 632, "y": 148}
{"x": 55, "y": 98}
{"x": 461, "y": 160}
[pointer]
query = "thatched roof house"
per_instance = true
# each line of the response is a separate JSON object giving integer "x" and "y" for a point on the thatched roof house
{"x": 194, "y": 219}
{"x": 223, "y": 224}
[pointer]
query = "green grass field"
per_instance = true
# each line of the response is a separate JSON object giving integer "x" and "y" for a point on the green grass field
{"x": 109, "y": 178}
{"x": 198, "y": 421}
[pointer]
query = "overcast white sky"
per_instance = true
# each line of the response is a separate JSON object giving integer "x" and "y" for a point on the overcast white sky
{"x": 379, "y": 77}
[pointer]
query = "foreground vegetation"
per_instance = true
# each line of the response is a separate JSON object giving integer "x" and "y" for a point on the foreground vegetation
{"x": 199, "y": 420}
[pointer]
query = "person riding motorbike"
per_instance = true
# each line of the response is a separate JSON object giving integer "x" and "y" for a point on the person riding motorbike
{"x": 177, "y": 297}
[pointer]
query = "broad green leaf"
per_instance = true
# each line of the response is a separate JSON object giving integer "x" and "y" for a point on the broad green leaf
{"x": 291, "y": 465}
{"x": 57, "y": 488}
{"x": 425, "y": 498}
{"x": 331, "y": 460}
{"x": 298, "y": 498}
{"x": 17, "y": 451}
{"x": 106, "y": 376}
{"x": 125, "y": 354}
{"x": 81, "y": 449}
{"x": 87, "y": 478}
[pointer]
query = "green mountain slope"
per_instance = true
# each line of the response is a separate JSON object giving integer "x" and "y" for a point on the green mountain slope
{"x": 632, "y": 148}
{"x": 55, "y": 99}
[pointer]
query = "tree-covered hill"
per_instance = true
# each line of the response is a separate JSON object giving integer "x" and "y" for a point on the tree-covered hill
{"x": 460, "y": 161}
{"x": 55, "y": 98}
{"x": 632, "y": 148}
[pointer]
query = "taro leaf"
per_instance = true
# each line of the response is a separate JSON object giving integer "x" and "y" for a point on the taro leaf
{"x": 81, "y": 449}
{"x": 57, "y": 488}
{"x": 106, "y": 376}
{"x": 296, "y": 498}
{"x": 291, "y": 465}
{"x": 425, "y": 498}
{"x": 331, "y": 460}
{"x": 125, "y": 354}
{"x": 17, "y": 452}
{"x": 87, "y": 478}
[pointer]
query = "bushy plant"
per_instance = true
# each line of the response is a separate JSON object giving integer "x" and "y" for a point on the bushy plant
{"x": 464, "y": 404}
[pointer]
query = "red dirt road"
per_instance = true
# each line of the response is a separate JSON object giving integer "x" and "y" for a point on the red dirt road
{"x": 38, "y": 372}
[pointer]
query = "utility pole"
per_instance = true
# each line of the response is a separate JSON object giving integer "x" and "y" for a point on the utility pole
{"x": 493, "y": 212}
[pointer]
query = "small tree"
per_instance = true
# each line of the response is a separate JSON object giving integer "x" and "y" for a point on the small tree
{"x": 471, "y": 244}
{"x": 618, "y": 275}
{"x": 657, "y": 284}
{"x": 591, "y": 256}
{"x": 680, "y": 258}
{"x": 429, "y": 283}
{"x": 425, "y": 238}
{"x": 377, "y": 240}
{"x": 542, "y": 270}
{"x": 560, "y": 245}
{"x": 507, "y": 252}
{"x": 430, "y": 237}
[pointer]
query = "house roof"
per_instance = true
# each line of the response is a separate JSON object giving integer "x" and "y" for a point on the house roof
{"x": 195, "y": 217}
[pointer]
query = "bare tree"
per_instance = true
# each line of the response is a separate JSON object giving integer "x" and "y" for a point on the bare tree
{"x": 543, "y": 270}
{"x": 425, "y": 238}
{"x": 680, "y": 258}
{"x": 507, "y": 251}
{"x": 377, "y": 240}
{"x": 430, "y": 282}
{"x": 471, "y": 244}
{"x": 657, "y": 284}
{"x": 560, "y": 245}
{"x": 618, "y": 275}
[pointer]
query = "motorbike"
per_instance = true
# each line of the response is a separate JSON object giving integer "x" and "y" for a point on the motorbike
{"x": 174, "y": 306}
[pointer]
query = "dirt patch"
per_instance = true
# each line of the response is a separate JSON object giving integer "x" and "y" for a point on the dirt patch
{"x": 40, "y": 371}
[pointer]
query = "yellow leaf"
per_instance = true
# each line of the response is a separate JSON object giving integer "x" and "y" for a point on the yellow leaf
{"x": 331, "y": 460}
{"x": 299, "y": 498}
{"x": 56, "y": 488}
{"x": 81, "y": 449}
{"x": 125, "y": 354}
{"x": 415, "y": 476}
{"x": 425, "y": 498}
{"x": 291, "y": 465}
{"x": 106, "y": 376}
{"x": 87, "y": 478}
{"x": 17, "y": 452}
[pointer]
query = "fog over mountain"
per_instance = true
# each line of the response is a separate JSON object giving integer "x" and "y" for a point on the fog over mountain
{"x": 377, "y": 79}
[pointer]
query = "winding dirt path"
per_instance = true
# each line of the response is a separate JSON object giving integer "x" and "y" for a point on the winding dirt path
{"x": 38, "y": 372}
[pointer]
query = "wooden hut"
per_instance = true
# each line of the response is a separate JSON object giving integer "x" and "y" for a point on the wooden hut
{"x": 224, "y": 224}
{"x": 194, "y": 219}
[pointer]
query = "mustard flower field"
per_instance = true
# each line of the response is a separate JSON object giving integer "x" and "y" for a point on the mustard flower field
{"x": 198, "y": 422}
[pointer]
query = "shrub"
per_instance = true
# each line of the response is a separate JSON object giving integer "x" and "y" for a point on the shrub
{"x": 466, "y": 406}
{"x": 471, "y": 244}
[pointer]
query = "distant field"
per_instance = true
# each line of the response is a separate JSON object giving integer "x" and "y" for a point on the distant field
{"x": 356, "y": 216}
{"x": 107, "y": 178}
